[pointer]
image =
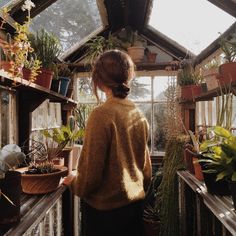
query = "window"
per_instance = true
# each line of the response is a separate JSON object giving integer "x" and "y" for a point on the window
{"x": 71, "y": 21}
{"x": 193, "y": 24}
{"x": 148, "y": 92}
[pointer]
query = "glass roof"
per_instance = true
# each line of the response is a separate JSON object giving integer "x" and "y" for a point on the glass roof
{"x": 193, "y": 24}
{"x": 3, "y": 2}
{"x": 71, "y": 21}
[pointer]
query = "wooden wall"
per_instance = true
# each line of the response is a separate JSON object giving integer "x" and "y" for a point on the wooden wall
{"x": 8, "y": 117}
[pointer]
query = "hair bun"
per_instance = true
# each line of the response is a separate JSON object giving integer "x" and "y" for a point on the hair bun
{"x": 121, "y": 90}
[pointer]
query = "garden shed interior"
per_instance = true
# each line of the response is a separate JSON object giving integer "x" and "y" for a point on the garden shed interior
{"x": 185, "y": 59}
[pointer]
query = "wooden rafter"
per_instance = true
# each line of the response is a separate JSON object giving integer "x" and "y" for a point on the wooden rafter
{"x": 226, "y": 5}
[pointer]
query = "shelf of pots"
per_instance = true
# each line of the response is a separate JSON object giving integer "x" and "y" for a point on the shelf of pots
{"x": 10, "y": 184}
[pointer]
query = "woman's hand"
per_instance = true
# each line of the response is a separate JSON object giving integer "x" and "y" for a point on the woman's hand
{"x": 68, "y": 179}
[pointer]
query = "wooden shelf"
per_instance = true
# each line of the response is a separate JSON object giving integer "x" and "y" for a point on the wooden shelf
{"x": 33, "y": 89}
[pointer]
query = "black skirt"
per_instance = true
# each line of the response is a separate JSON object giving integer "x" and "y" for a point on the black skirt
{"x": 123, "y": 221}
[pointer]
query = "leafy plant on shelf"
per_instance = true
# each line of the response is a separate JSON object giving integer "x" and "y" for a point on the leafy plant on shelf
{"x": 220, "y": 154}
{"x": 188, "y": 76}
{"x": 46, "y": 47}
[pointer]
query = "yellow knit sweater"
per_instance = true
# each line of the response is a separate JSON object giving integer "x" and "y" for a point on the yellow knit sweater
{"x": 114, "y": 167}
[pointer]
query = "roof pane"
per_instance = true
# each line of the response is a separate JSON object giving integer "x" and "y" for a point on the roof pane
{"x": 3, "y": 2}
{"x": 193, "y": 24}
{"x": 70, "y": 20}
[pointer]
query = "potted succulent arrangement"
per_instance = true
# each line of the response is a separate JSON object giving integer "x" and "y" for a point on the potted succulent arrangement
{"x": 189, "y": 80}
{"x": 227, "y": 70}
{"x": 46, "y": 48}
{"x": 42, "y": 175}
{"x": 10, "y": 183}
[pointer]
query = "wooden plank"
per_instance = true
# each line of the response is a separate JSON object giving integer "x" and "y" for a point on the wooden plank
{"x": 4, "y": 117}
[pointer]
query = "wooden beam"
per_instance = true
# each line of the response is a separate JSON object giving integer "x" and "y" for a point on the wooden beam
{"x": 227, "y": 5}
{"x": 20, "y": 16}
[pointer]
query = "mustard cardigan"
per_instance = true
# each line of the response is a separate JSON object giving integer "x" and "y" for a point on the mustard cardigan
{"x": 114, "y": 168}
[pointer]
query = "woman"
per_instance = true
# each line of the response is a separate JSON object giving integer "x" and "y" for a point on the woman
{"x": 114, "y": 169}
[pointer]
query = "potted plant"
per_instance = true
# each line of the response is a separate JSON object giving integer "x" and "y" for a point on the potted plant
{"x": 136, "y": 48}
{"x": 10, "y": 183}
{"x": 65, "y": 137}
{"x": 99, "y": 44}
{"x": 42, "y": 175}
{"x": 188, "y": 80}
{"x": 47, "y": 48}
{"x": 220, "y": 157}
{"x": 210, "y": 74}
{"x": 64, "y": 76}
{"x": 227, "y": 70}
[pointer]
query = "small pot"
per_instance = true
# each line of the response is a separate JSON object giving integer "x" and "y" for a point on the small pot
{"x": 64, "y": 85}
{"x": 55, "y": 85}
{"x": 44, "y": 78}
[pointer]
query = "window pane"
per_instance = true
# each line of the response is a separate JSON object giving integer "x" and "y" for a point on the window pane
{"x": 191, "y": 31}
{"x": 159, "y": 137}
{"x": 146, "y": 108}
{"x": 141, "y": 89}
{"x": 70, "y": 20}
{"x": 85, "y": 91}
{"x": 160, "y": 84}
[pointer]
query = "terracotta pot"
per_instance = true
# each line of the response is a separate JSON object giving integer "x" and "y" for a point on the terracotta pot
{"x": 5, "y": 65}
{"x": 188, "y": 159}
{"x": 11, "y": 187}
{"x": 211, "y": 77}
{"x": 197, "y": 169}
{"x": 227, "y": 73}
{"x": 26, "y": 73}
{"x": 44, "y": 78}
{"x": 151, "y": 57}
{"x": 66, "y": 154}
{"x": 42, "y": 183}
{"x": 136, "y": 53}
{"x": 189, "y": 92}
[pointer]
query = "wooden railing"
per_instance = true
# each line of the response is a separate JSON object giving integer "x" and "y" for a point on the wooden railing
{"x": 202, "y": 213}
{"x": 53, "y": 214}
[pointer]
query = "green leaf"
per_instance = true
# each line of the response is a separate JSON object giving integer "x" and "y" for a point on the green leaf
{"x": 233, "y": 178}
{"x": 222, "y": 175}
{"x": 222, "y": 132}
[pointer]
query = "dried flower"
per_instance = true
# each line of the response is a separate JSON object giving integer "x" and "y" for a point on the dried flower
{"x": 28, "y": 5}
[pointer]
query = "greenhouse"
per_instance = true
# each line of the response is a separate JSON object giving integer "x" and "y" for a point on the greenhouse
{"x": 117, "y": 117}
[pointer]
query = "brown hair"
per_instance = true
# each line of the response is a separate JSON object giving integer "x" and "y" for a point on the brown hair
{"x": 113, "y": 69}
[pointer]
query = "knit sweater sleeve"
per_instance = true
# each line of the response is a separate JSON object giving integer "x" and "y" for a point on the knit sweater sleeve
{"x": 93, "y": 155}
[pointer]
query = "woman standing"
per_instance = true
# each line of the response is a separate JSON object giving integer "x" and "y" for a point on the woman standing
{"x": 114, "y": 168}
